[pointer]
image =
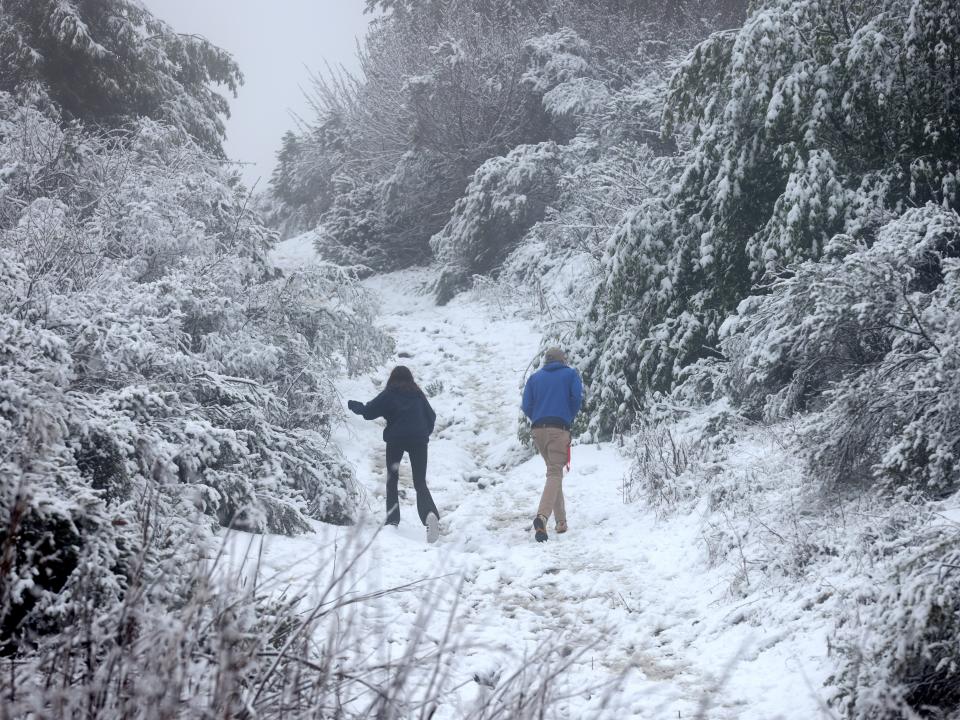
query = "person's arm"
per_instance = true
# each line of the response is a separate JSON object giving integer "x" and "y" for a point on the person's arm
{"x": 431, "y": 416}
{"x": 375, "y": 408}
{"x": 527, "y": 404}
{"x": 576, "y": 393}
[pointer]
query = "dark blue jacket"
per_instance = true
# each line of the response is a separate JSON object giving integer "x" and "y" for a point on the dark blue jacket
{"x": 553, "y": 393}
{"x": 407, "y": 412}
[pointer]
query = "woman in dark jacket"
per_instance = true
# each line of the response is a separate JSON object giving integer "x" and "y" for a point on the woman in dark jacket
{"x": 410, "y": 420}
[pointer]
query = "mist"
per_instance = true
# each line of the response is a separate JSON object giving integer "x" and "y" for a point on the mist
{"x": 277, "y": 46}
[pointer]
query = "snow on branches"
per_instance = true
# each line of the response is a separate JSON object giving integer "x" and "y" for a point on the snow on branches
{"x": 869, "y": 336}
{"x": 813, "y": 119}
{"x": 506, "y": 196}
{"x": 111, "y": 62}
{"x": 152, "y": 356}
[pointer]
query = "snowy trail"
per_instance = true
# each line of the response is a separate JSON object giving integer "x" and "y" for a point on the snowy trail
{"x": 637, "y": 587}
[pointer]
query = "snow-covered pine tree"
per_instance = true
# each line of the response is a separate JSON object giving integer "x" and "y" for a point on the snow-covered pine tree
{"x": 868, "y": 336}
{"x": 110, "y": 62}
{"x": 814, "y": 119}
{"x": 506, "y": 196}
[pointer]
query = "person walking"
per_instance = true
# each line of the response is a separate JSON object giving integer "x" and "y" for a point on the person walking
{"x": 552, "y": 397}
{"x": 410, "y": 421}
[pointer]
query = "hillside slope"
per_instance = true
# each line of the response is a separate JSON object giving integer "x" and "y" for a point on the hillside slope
{"x": 628, "y": 600}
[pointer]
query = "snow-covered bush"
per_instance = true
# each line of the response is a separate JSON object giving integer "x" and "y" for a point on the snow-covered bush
{"x": 663, "y": 470}
{"x": 192, "y": 638}
{"x": 506, "y": 196}
{"x": 898, "y": 641}
{"x": 613, "y": 164}
{"x": 150, "y": 350}
{"x": 559, "y": 260}
{"x": 351, "y": 233}
{"x": 868, "y": 335}
{"x": 814, "y": 119}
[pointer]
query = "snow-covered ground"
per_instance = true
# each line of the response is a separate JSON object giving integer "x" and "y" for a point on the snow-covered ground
{"x": 630, "y": 597}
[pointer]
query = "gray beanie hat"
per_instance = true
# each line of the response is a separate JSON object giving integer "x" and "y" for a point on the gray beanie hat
{"x": 554, "y": 354}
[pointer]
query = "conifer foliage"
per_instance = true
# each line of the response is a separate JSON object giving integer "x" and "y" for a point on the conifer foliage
{"x": 868, "y": 336}
{"x": 112, "y": 61}
{"x": 816, "y": 118}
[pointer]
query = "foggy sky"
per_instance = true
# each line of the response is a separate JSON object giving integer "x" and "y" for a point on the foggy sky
{"x": 275, "y": 44}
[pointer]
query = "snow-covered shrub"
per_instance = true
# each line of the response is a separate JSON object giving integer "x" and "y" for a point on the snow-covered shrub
{"x": 559, "y": 260}
{"x": 824, "y": 321}
{"x": 899, "y": 641}
{"x": 351, "y": 232}
{"x": 663, "y": 470}
{"x": 601, "y": 173}
{"x": 191, "y": 638}
{"x": 623, "y": 352}
{"x": 506, "y": 196}
{"x": 870, "y": 336}
{"x": 55, "y": 526}
{"x": 812, "y": 120}
{"x": 561, "y": 69}
{"x": 150, "y": 350}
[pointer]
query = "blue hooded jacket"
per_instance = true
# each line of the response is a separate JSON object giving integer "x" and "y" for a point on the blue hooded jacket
{"x": 553, "y": 393}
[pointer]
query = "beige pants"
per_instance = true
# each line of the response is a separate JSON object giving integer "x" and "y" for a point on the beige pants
{"x": 553, "y": 443}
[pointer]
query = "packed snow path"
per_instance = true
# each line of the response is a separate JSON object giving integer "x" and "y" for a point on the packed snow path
{"x": 632, "y": 593}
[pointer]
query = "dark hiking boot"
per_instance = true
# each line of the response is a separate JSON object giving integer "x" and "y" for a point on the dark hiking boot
{"x": 433, "y": 528}
{"x": 540, "y": 528}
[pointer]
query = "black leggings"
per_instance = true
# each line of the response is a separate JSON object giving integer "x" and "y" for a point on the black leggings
{"x": 418, "y": 462}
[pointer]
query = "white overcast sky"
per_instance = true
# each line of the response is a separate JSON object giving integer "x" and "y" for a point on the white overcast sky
{"x": 275, "y": 43}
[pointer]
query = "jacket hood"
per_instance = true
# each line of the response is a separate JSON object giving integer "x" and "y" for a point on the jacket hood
{"x": 555, "y": 365}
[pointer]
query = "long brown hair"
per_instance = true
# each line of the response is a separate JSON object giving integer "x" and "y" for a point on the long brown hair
{"x": 402, "y": 379}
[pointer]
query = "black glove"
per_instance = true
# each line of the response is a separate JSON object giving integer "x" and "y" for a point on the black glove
{"x": 355, "y": 406}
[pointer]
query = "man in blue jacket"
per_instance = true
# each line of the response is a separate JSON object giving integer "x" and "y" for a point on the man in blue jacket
{"x": 551, "y": 400}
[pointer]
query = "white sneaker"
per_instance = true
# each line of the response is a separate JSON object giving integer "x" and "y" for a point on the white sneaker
{"x": 433, "y": 528}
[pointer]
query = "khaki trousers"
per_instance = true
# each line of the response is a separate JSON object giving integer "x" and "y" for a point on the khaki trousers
{"x": 553, "y": 444}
